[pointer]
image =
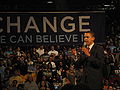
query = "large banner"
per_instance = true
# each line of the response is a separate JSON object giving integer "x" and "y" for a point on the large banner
{"x": 47, "y": 28}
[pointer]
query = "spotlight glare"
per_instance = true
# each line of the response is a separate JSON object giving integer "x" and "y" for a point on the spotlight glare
{"x": 49, "y": 2}
{"x": 106, "y": 5}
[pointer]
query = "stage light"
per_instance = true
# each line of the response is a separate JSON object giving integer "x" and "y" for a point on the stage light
{"x": 106, "y": 5}
{"x": 49, "y": 2}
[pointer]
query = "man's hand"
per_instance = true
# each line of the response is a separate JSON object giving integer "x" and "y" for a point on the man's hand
{"x": 85, "y": 50}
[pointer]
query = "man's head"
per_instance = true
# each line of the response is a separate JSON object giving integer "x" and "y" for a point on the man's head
{"x": 89, "y": 38}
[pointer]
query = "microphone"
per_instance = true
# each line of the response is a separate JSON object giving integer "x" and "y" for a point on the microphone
{"x": 85, "y": 49}
{"x": 84, "y": 44}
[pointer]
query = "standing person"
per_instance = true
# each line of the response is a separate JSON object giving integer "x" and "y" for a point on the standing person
{"x": 53, "y": 51}
{"x": 30, "y": 84}
{"x": 92, "y": 60}
{"x": 40, "y": 50}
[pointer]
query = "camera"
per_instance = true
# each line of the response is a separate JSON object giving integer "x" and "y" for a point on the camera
{"x": 56, "y": 87}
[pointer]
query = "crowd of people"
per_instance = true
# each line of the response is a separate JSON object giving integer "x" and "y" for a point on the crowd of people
{"x": 54, "y": 67}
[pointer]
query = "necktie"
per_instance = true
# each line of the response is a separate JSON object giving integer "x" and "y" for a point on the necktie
{"x": 88, "y": 48}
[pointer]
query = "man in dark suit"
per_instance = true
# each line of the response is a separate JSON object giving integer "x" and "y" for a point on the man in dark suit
{"x": 92, "y": 60}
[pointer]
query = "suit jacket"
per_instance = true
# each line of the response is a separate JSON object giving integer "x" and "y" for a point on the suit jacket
{"x": 93, "y": 66}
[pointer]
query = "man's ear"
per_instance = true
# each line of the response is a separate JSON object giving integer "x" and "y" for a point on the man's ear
{"x": 93, "y": 38}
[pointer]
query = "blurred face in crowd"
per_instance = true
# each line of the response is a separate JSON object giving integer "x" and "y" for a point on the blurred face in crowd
{"x": 110, "y": 88}
{"x": 18, "y": 58}
{"x": 60, "y": 57}
{"x": 18, "y": 49}
{"x": 17, "y": 72}
{"x": 52, "y": 47}
{"x": 41, "y": 47}
{"x": 89, "y": 38}
{"x": 10, "y": 49}
{"x": 34, "y": 49}
{"x": 40, "y": 59}
{"x": 51, "y": 59}
{"x": 22, "y": 58}
{"x": 30, "y": 78}
{"x": 61, "y": 63}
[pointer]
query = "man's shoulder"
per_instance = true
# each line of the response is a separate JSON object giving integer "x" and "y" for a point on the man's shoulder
{"x": 98, "y": 46}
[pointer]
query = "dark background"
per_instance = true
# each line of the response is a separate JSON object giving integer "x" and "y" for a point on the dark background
{"x": 111, "y": 8}
{"x": 45, "y": 5}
